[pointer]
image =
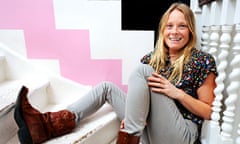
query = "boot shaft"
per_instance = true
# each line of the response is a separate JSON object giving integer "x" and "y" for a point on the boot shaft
{"x": 59, "y": 123}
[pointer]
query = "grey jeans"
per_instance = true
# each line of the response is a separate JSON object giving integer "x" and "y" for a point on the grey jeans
{"x": 165, "y": 124}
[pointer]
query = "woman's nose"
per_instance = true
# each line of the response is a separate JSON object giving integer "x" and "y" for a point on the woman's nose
{"x": 174, "y": 29}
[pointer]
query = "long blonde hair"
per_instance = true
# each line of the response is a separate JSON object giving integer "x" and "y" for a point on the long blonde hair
{"x": 158, "y": 59}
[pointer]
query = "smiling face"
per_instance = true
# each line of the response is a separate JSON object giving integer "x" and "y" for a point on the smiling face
{"x": 176, "y": 32}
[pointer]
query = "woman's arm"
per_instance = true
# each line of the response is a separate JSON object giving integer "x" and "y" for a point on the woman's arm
{"x": 200, "y": 107}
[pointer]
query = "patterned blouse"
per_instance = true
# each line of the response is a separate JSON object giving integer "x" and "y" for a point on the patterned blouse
{"x": 195, "y": 72}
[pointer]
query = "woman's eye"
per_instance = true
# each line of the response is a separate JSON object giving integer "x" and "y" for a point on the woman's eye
{"x": 169, "y": 26}
{"x": 183, "y": 26}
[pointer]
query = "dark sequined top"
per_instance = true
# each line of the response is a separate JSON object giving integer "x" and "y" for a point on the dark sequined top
{"x": 195, "y": 72}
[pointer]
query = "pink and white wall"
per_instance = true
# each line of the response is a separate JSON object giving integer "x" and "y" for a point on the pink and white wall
{"x": 84, "y": 37}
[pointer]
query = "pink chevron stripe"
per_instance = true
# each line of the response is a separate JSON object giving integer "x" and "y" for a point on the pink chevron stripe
{"x": 71, "y": 47}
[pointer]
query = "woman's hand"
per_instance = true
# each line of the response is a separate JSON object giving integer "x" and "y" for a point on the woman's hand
{"x": 200, "y": 106}
{"x": 122, "y": 124}
{"x": 159, "y": 84}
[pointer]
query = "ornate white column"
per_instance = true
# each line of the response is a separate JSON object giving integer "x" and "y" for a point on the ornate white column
{"x": 213, "y": 128}
{"x": 205, "y": 38}
{"x": 214, "y": 40}
{"x": 222, "y": 57}
{"x": 232, "y": 90}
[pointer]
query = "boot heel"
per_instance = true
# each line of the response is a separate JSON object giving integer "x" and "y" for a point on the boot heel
{"x": 24, "y": 136}
{"x": 23, "y": 132}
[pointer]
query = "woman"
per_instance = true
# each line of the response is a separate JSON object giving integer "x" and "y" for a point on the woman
{"x": 181, "y": 88}
{"x": 168, "y": 96}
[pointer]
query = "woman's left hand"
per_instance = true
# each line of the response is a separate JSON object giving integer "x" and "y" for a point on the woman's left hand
{"x": 159, "y": 84}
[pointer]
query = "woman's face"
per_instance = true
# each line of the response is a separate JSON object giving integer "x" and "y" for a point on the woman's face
{"x": 176, "y": 32}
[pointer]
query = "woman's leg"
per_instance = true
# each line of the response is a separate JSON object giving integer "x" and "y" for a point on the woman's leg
{"x": 99, "y": 95}
{"x": 138, "y": 100}
{"x": 37, "y": 127}
{"x": 166, "y": 124}
{"x": 94, "y": 99}
{"x": 137, "y": 107}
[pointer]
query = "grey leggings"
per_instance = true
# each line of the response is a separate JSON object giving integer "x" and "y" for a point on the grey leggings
{"x": 165, "y": 124}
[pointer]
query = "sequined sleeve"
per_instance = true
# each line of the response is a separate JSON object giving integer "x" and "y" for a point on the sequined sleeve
{"x": 205, "y": 63}
{"x": 146, "y": 58}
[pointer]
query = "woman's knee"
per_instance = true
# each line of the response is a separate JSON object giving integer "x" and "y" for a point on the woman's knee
{"x": 105, "y": 84}
{"x": 108, "y": 86}
{"x": 143, "y": 70}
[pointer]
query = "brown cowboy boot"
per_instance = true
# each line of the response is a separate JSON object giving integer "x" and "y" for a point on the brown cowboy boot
{"x": 125, "y": 138}
{"x": 36, "y": 127}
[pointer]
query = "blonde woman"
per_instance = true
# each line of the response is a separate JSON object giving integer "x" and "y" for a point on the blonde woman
{"x": 181, "y": 81}
{"x": 168, "y": 97}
